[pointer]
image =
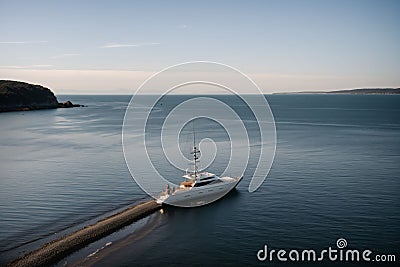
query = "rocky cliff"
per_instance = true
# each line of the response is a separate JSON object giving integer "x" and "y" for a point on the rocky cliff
{"x": 16, "y": 96}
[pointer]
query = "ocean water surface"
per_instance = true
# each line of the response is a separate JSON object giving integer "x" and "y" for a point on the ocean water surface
{"x": 335, "y": 175}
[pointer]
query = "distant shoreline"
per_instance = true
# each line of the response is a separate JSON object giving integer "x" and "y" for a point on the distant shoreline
{"x": 363, "y": 91}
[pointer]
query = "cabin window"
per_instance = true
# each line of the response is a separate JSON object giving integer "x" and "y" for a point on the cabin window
{"x": 202, "y": 183}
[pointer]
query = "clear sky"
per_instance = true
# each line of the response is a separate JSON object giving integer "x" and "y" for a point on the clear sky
{"x": 113, "y": 46}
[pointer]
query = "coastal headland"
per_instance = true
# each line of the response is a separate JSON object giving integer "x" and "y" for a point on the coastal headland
{"x": 21, "y": 96}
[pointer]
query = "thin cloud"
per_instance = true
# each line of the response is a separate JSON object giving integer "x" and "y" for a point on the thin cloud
{"x": 26, "y": 66}
{"x": 116, "y": 45}
{"x": 41, "y": 66}
{"x": 183, "y": 26}
{"x": 66, "y": 55}
{"x": 23, "y": 42}
{"x": 12, "y": 67}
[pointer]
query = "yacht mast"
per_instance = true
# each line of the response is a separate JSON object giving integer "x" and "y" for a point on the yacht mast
{"x": 195, "y": 151}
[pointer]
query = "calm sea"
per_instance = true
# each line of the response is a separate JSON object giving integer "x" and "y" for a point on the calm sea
{"x": 336, "y": 175}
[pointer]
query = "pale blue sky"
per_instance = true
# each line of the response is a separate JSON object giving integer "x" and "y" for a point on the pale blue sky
{"x": 282, "y": 45}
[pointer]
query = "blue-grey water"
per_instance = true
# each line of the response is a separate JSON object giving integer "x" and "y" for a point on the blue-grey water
{"x": 335, "y": 175}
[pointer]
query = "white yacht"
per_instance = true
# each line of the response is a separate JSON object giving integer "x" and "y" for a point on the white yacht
{"x": 199, "y": 187}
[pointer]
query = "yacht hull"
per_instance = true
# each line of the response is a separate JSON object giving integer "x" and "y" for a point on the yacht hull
{"x": 202, "y": 195}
